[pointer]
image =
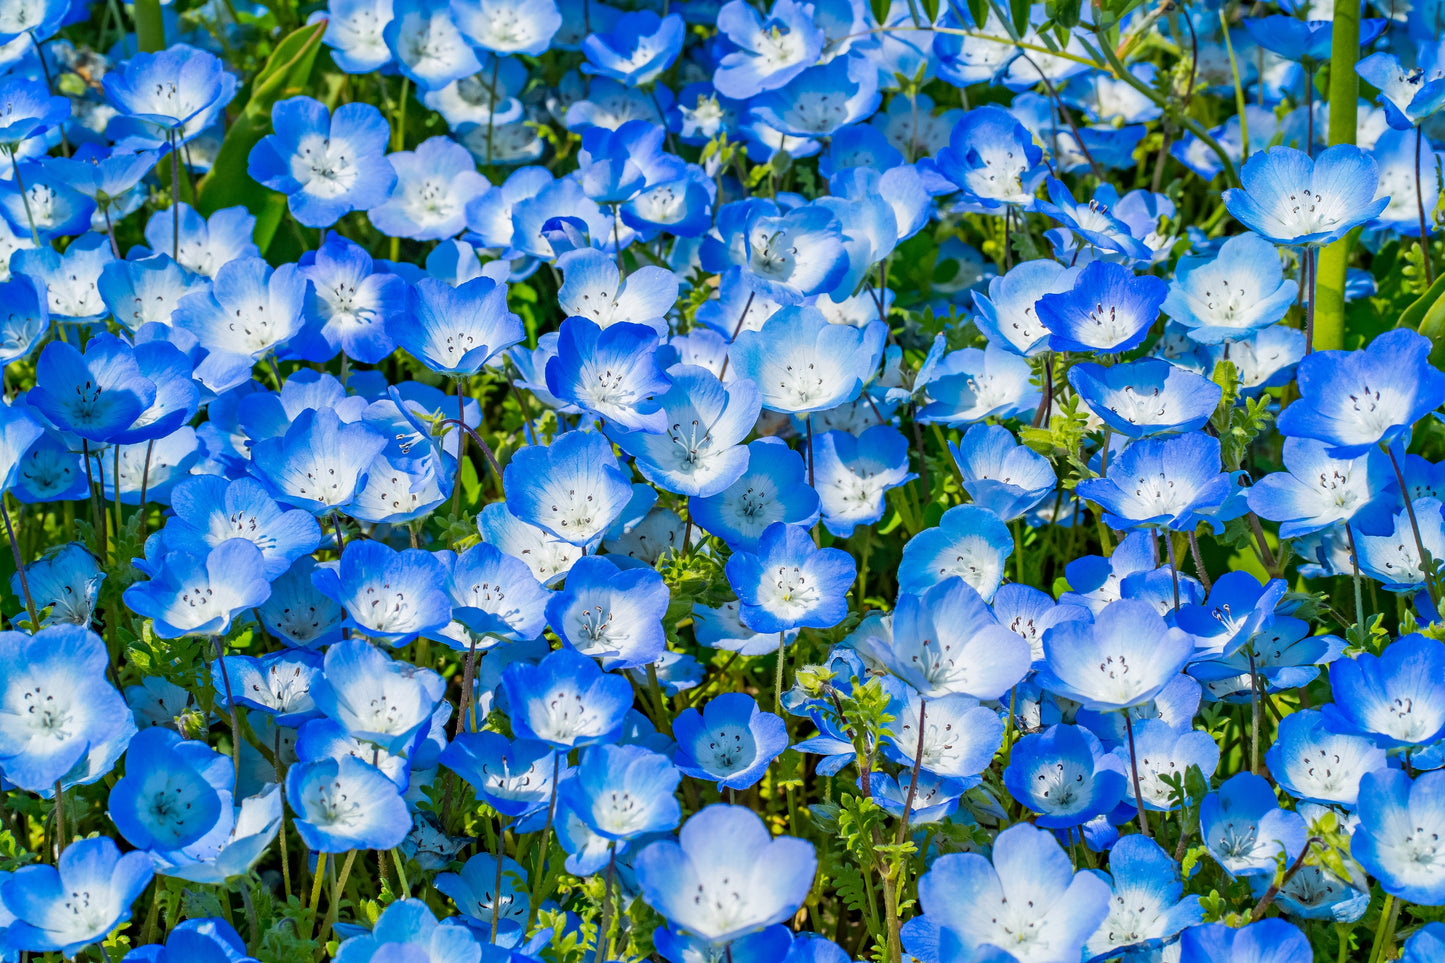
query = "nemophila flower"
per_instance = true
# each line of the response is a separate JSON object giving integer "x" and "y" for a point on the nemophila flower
{"x": 731, "y": 741}
{"x": 322, "y": 739}
{"x": 993, "y": 160}
{"x": 1028, "y": 899}
{"x": 721, "y": 628}
{"x": 789, "y": 582}
{"x": 611, "y": 614}
{"x": 969, "y": 541}
{"x": 1008, "y": 314}
{"x": 1092, "y": 223}
{"x": 480, "y": 896}
{"x": 247, "y": 312}
{"x": 854, "y": 473}
{"x": 103, "y": 176}
{"x": 593, "y": 287}
{"x": 427, "y": 45}
{"x": 945, "y": 641}
{"x": 508, "y": 26}
{"x": 1149, "y": 908}
{"x": 622, "y": 792}
{"x": 26, "y": 318}
{"x": 201, "y": 593}
{"x": 209, "y": 510}
{"x": 456, "y": 331}
{"x": 355, "y": 34}
{"x": 408, "y": 929}
{"x": 62, "y": 721}
{"x": 76, "y": 902}
{"x": 1427, "y": 944}
{"x": 765, "y": 53}
{"x": 700, "y": 453}
{"x": 956, "y": 741}
{"x": 1123, "y": 658}
{"x": 1397, "y": 839}
{"x": 203, "y": 245}
{"x": 1064, "y": 775}
{"x": 277, "y": 684}
{"x": 1355, "y": 400}
{"x": 388, "y": 595}
{"x": 1317, "y": 490}
{"x": 1397, "y": 697}
{"x": 566, "y": 700}
{"x": 801, "y": 363}
{"x": 821, "y": 100}
{"x": 610, "y": 372}
{"x": 29, "y": 109}
{"x": 1237, "y": 610}
{"x": 343, "y": 804}
{"x": 237, "y": 845}
{"x": 792, "y": 255}
{"x": 351, "y": 306}
{"x": 376, "y": 699}
{"x": 1244, "y": 828}
{"x": 66, "y": 582}
{"x": 638, "y": 47}
{"x": 1314, "y": 763}
{"x": 970, "y": 385}
{"x": 70, "y": 278}
{"x": 173, "y": 793}
{"x": 547, "y": 556}
{"x": 297, "y": 613}
{"x": 1393, "y": 557}
{"x": 725, "y": 876}
{"x": 1165, "y": 754}
{"x": 1408, "y": 95}
{"x": 98, "y": 394}
{"x": 433, "y": 184}
{"x": 573, "y": 489}
{"x": 320, "y": 463}
{"x": 1232, "y": 294}
{"x": 1266, "y": 941}
{"x": 1109, "y": 309}
{"x": 999, "y": 474}
{"x": 327, "y": 165}
{"x": 1288, "y": 197}
{"x": 1028, "y": 613}
{"x": 1146, "y": 397}
{"x": 493, "y": 596}
{"x": 513, "y": 777}
{"x": 171, "y": 95}
{"x": 1173, "y": 482}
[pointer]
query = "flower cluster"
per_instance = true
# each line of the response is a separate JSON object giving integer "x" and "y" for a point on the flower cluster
{"x": 562, "y": 481}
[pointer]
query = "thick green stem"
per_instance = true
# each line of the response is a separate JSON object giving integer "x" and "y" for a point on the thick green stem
{"x": 1329, "y": 290}
{"x": 150, "y": 29}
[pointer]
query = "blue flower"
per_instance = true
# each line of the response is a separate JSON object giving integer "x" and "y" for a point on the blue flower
{"x": 700, "y": 453}
{"x": 200, "y": 594}
{"x": 764, "y": 53}
{"x": 1245, "y": 830}
{"x": 622, "y": 792}
{"x": 1149, "y": 908}
{"x": 638, "y": 48}
{"x": 29, "y": 110}
{"x": 1408, "y": 96}
{"x": 320, "y": 463}
{"x": 956, "y": 741}
{"x": 97, "y": 395}
{"x": 173, "y": 793}
{"x": 793, "y": 255}
{"x": 494, "y": 596}
{"x": 343, "y": 804}
{"x": 1397, "y": 697}
{"x": 593, "y": 287}
{"x": 1064, "y": 775}
{"x": 1028, "y": 899}
{"x": 277, "y": 684}
{"x": 1146, "y": 397}
{"x": 209, "y": 510}
{"x": 821, "y": 100}
{"x": 514, "y": 778}
{"x": 388, "y": 595}
{"x": 66, "y": 581}
{"x": 374, "y": 698}
{"x": 725, "y": 876}
{"x": 566, "y": 700}
{"x": 476, "y": 892}
{"x": 351, "y": 305}
{"x": 1174, "y": 482}
{"x": 789, "y": 583}
{"x": 1109, "y": 310}
{"x": 76, "y": 902}
{"x": 1231, "y": 295}
{"x": 573, "y": 489}
{"x": 206, "y": 940}
{"x": 993, "y": 160}
{"x": 1267, "y": 941}
{"x": 945, "y": 641}
{"x": 999, "y": 474}
{"x": 773, "y": 489}
{"x": 456, "y": 331}
{"x": 1398, "y": 836}
{"x": 433, "y": 184}
{"x": 327, "y": 166}
{"x": 1123, "y": 658}
{"x": 611, "y": 614}
{"x": 1165, "y": 754}
{"x": 508, "y": 26}
{"x": 1314, "y": 763}
{"x": 170, "y": 95}
{"x": 1008, "y": 314}
{"x": 297, "y": 613}
{"x": 610, "y": 372}
{"x": 408, "y": 930}
{"x": 1317, "y": 490}
{"x": 969, "y": 541}
{"x": 1290, "y": 198}
{"x": 731, "y": 741}
{"x": 1354, "y": 400}
{"x": 854, "y": 473}
{"x": 970, "y": 385}
{"x": 249, "y": 311}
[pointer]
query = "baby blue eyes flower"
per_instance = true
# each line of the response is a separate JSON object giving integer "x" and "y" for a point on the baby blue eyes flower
{"x": 345, "y": 804}
{"x": 731, "y": 741}
{"x": 170, "y": 96}
{"x": 374, "y": 698}
{"x": 326, "y": 165}
{"x": 765, "y": 52}
{"x": 611, "y": 614}
{"x": 1230, "y": 296}
{"x": 1146, "y": 397}
{"x": 69, "y": 906}
{"x": 639, "y": 47}
{"x": 1289, "y": 198}
{"x": 206, "y": 940}
{"x": 993, "y": 160}
{"x": 789, "y": 582}
{"x": 97, "y": 395}
{"x": 801, "y": 363}
{"x": 1148, "y": 908}
{"x": 700, "y": 453}
{"x": 1028, "y": 899}
{"x": 1173, "y": 482}
{"x": 508, "y": 26}
{"x": 622, "y": 792}
{"x": 388, "y": 595}
{"x": 1397, "y": 697}
{"x": 1121, "y": 659}
{"x": 408, "y": 930}
{"x": 1267, "y": 941}
{"x": 1408, "y": 95}
{"x": 1064, "y": 775}
{"x": 200, "y": 594}
{"x": 1314, "y": 763}
{"x": 455, "y": 331}
{"x": 573, "y": 489}
{"x": 1245, "y": 830}
{"x": 999, "y": 474}
{"x": 611, "y": 373}
{"x": 514, "y": 778}
{"x": 433, "y": 184}
{"x": 854, "y": 474}
{"x": 945, "y": 641}
{"x": 1398, "y": 839}
{"x": 969, "y": 541}
{"x": 566, "y": 700}
{"x": 725, "y": 876}
{"x": 1108, "y": 310}
{"x": 173, "y": 792}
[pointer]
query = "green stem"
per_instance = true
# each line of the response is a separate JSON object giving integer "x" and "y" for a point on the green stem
{"x": 1385, "y": 932}
{"x": 150, "y": 28}
{"x": 1329, "y": 292}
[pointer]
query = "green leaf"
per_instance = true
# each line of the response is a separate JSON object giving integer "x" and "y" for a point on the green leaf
{"x": 150, "y": 29}
{"x": 978, "y": 9}
{"x": 1019, "y": 13}
{"x": 880, "y": 9}
{"x": 228, "y": 184}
